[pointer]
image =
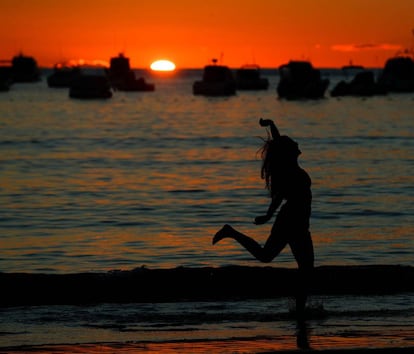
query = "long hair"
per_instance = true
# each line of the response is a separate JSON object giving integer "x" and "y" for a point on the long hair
{"x": 277, "y": 155}
{"x": 267, "y": 155}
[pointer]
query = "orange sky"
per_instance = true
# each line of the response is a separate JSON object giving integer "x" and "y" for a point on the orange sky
{"x": 329, "y": 33}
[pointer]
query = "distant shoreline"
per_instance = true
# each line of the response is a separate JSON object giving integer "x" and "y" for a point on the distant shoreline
{"x": 231, "y": 67}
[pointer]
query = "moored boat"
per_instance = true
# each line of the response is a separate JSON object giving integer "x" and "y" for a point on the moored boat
{"x": 363, "y": 84}
{"x": 248, "y": 77}
{"x": 25, "y": 69}
{"x": 6, "y": 78}
{"x": 122, "y": 77}
{"x": 218, "y": 80}
{"x": 398, "y": 74}
{"x": 89, "y": 84}
{"x": 351, "y": 70}
{"x": 63, "y": 75}
{"x": 300, "y": 80}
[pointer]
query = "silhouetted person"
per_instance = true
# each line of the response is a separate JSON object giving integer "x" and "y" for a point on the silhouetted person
{"x": 287, "y": 182}
{"x": 302, "y": 335}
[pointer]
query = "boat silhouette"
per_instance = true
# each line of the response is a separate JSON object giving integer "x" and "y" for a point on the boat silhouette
{"x": 363, "y": 84}
{"x": 122, "y": 78}
{"x": 248, "y": 77}
{"x": 91, "y": 83}
{"x": 63, "y": 75}
{"x": 300, "y": 80}
{"x": 6, "y": 78}
{"x": 25, "y": 69}
{"x": 398, "y": 73}
{"x": 217, "y": 80}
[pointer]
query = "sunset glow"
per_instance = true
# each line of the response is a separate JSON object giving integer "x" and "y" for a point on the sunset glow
{"x": 83, "y": 62}
{"x": 266, "y": 32}
{"x": 163, "y": 65}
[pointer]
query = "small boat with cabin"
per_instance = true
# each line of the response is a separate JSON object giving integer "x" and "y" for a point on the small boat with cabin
{"x": 248, "y": 77}
{"x": 91, "y": 83}
{"x": 122, "y": 77}
{"x": 218, "y": 80}
{"x": 351, "y": 70}
{"x": 62, "y": 76}
{"x": 25, "y": 69}
{"x": 398, "y": 73}
{"x": 300, "y": 80}
{"x": 363, "y": 84}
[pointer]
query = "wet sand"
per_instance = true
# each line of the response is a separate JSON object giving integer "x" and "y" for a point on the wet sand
{"x": 216, "y": 347}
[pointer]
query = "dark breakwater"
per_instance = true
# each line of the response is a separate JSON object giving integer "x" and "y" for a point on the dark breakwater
{"x": 198, "y": 284}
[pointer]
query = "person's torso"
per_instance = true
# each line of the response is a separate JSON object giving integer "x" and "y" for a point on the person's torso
{"x": 295, "y": 188}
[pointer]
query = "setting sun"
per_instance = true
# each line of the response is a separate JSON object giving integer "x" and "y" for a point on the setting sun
{"x": 163, "y": 65}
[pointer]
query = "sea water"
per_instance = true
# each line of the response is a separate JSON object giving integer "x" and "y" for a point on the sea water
{"x": 251, "y": 326}
{"x": 146, "y": 179}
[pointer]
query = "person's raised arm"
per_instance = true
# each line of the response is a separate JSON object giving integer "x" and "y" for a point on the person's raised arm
{"x": 273, "y": 129}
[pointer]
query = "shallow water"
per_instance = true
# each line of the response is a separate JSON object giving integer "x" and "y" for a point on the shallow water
{"x": 222, "y": 327}
{"x": 148, "y": 178}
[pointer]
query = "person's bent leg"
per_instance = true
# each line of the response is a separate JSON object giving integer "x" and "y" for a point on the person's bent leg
{"x": 266, "y": 254}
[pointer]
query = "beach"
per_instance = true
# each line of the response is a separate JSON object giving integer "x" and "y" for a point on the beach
{"x": 225, "y": 310}
{"x": 198, "y": 347}
{"x": 250, "y": 341}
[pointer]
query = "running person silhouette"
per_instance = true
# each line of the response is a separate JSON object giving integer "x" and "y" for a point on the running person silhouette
{"x": 287, "y": 182}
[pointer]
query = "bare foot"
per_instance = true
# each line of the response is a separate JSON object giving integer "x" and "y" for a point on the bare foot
{"x": 225, "y": 231}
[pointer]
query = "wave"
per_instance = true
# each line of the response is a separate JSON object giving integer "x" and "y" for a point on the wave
{"x": 198, "y": 284}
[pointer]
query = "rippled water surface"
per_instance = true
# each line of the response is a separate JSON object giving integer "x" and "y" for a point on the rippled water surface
{"x": 148, "y": 178}
{"x": 211, "y": 327}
